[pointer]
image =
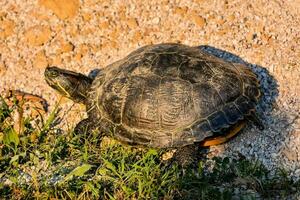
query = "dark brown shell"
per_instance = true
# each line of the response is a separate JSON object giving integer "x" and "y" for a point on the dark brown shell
{"x": 171, "y": 95}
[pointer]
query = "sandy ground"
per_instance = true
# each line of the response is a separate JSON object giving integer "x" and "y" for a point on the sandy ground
{"x": 89, "y": 34}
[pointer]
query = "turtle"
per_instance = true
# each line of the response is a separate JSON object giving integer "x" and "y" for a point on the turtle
{"x": 164, "y": 96}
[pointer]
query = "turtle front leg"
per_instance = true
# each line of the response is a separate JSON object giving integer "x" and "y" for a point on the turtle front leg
{"x": 85, "y": 126}
{"x": 87, "y": 130}
{"x": 92, "y": 129}
{"x": 91, "y": 125}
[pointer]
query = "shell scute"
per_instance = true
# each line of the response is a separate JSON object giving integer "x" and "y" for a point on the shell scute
{"x": 232, "y": 113}
{"x": 218, "y": 121}
{"x": 244, "y": 105}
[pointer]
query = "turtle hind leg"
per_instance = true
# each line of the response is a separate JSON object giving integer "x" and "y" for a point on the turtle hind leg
{"x": 187, "y": 156}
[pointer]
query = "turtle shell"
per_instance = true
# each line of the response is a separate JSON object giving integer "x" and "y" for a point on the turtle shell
{"x": 172, "y": 95}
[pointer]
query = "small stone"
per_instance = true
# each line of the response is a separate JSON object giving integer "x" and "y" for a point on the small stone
{"x": 265, "y": 37}
{"x": 132, "y": 23}
{"x": 38, "y": 35}
{"x": 137, "y": 36}
{"x": 222, "y": 32}
{"x": 3, "y": 14}
{"x": 78, "y": 57}
{"x": 220, "y": 20}
{"x": 66, "y": 47}
{"x": 3, "y": 68}
{"x": 297, "y": 172}
{"x": 237, "y": 191}
{"x": 56, "y": 60}
{"x": 211, "y": 17}
{"x": 115, "y": 33}
{"x": 296, "y": 132}
{"x": 81, "y": 51}
{"x": 231, "y": 18}
{"x": 87, "y": 30}
{"x": 181, "y": 10}
{"x": 251, "y": 151}
{"x": 63, "y": 9}
{"x": 249, "y": 37}
{"x": 21, "y": 62}
{"x": 6, "y": 28}
{"x": 40, "y": 60}
{"x": 149, "y": 31}
{"x": 58, "y": 28}
{"x": 41, "y": 16}
{"x": 86, "y": 16}
{"x": 72, "y": 30}
{"x": 198, "y": 20}
{"x": 122, "y": 14}
{"x": 67, "y": 59}
{"x": 156, "y": 20}
{"x": 290, "y": 154}
{"x": 90, "y": 3}
{"x": 95, "y": 47}
{"x": 104, "y": 25}
{"x": 114, "y": 44}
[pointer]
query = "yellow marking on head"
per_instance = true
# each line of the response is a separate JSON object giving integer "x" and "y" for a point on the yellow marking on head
{"x": 63, "y": 89}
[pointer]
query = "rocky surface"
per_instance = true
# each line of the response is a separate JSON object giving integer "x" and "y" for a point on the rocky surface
{"x": 83, "y": 35}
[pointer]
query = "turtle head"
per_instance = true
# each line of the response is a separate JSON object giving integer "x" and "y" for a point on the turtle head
{"x": 69, "y": 84}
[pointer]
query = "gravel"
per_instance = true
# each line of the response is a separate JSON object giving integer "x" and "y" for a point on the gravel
{"x": 87, "y": 35}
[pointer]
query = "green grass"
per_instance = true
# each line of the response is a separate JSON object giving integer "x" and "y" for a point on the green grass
{"x": 44, "y": 162}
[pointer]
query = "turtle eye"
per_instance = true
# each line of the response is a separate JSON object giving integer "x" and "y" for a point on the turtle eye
{"x": 53, "y": 73}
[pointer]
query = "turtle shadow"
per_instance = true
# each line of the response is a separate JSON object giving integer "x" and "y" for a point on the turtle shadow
{"x": 267, "y": 145}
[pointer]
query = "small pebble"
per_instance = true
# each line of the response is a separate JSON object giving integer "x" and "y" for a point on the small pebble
{"x": 62, "y": 8}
